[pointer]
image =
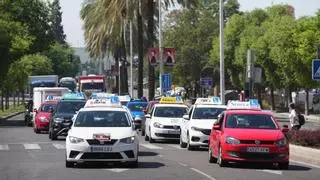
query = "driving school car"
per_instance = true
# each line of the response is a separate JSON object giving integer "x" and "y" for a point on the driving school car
{"x": 165, "y": 119}
{"x": 102, "y": 131}
{"x": 245, "y": 133}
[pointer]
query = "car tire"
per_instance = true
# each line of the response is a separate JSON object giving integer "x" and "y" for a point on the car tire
{"x": 182, "y": 144}
{"x": 151, "y": 140}
{"x": 284, "y": 166}
{"x": 146, "y": 138}
{"x": 37, "y": 131}
{"x": 69, "y": 164}
{"x": 189, "y": 147}
{"x": 143, "y": 132}
{"x": 53, "y": 136}
{"x": 220, "y": 161}
{"x": 210, "y": 157}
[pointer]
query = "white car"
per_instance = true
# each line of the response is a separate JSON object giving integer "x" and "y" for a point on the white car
{"x": 102, "y": 134}
{"x": 197, "y": 125}
{"x": 164, "y": 122}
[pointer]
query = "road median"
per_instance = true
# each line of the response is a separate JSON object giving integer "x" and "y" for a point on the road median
{"x": 11, "y": 112}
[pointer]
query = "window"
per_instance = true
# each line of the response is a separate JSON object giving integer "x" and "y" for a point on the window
{"x": 250, "y": 121}
{"x": 102, "y": 119}
{"x": 172, "y": 112}
{"x": 207, "y": 112}
{"x": 137, "y": 106}
{"x": 47, "y": 107}
{"x": 69, "y": 106}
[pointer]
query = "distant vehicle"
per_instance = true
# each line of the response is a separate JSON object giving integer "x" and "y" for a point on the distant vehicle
{"x": 68, "y": 82}
{"x": 43, "y": 115}
{"x": 136, "y": 109}
{"x": 92, "y": 83}
{"x": 42, "y": 81}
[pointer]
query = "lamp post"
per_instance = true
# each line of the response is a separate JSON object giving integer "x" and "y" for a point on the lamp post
{"x": 160, "y": 47}
{"x": 222, "y": 78}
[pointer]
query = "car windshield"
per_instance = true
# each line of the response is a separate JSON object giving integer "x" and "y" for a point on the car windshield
{"x": 102, "y": 119}
{"x": 250, "y": 121}
{"x": 47, "y": 107}
{"x": 206, "y": 112}
{"x": 137, "y": 106}
{"x": 70, "y": 106}
{"x": 91, "y": 86}
{"x": 173, "y": 112}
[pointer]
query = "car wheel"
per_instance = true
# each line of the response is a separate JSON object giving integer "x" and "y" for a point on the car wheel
{"x": 143, "y": 132}
{"x": 30, "y": 124}
{"x": 182, "y": 144}
{"x": 150, "y": 138}
{"x": 284, "y": 166}
{"x": 53, "y": 136}
{"x": 220, "y": 161}
{"x": 211, "y": 158}
{"x": 69, "y": 164}
{"x": 50, "y": 135}
{"x": 37, "y": 131}
{"x": 190, "y": 147}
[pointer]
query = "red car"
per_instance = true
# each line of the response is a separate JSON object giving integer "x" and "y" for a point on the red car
{"x": 248, "y": 135}
{"x": 43, "y": 116}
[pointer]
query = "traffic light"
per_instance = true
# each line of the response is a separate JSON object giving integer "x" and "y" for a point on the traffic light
{"x": 168, "y": 55}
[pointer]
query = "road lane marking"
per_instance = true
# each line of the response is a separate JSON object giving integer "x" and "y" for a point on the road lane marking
{"x": 271, "y": 171}
{"x": 202, "y": 173}
{"x": 182, "y": 164}
{"x": 150, "y": 146}
{"x": 306, "y": 164}
{"x": 174, "y": 146}
{"x": 117, "y": 170}
{"x": 59, "y": 146}
{"x": 4, "y": 147}
{"x": 31, "y": 146}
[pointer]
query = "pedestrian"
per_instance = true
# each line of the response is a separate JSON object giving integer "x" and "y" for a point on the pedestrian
{"x": 294, "y": 117}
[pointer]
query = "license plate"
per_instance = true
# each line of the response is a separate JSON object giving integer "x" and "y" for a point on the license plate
{"x": 101, "y": 148}
{"x": 258, "y": 150}
{"x": 173, "y": 132}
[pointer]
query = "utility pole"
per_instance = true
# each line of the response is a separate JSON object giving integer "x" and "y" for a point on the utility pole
{"x": 250, "y": 72}
{"x": 160, "y": 47}
{"x": 222, "y": 78}
{"x": 131, "y": 50}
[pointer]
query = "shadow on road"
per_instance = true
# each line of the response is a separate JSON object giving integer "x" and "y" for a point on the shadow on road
{"x": 167, "y": 142}
{"x": 261, "y": 166}
{"x": 12, "y": 124}
{"x": 147, "y": 153}
{"x": 104, "y": 165}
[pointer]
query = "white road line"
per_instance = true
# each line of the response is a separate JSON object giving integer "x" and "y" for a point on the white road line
{"x": 117, "y": 170}
{"x": 202, "y": 173}
{"x": 59, "y": 146}
{"x": 150, "y": 146}
{"x": 4, "y": 147}
{"x": 174, "y": 146}
{"x": 306, "y": 164}
{"x": 271, "y": 171}
{"x": 31, "y": 146}
{"x": 182, "y": 164}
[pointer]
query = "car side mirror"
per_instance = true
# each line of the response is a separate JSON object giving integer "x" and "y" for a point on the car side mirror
{"x": 186, "y": 117}
{"x": 285, "y": 129}
{"x": 216, "y": 127}
{"x": 147, "y": 116}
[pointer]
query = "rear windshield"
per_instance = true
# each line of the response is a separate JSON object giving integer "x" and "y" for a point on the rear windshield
{"x": 47, "y": 107}
{"x": 173, "y": 112}
{"x": 250, "y": 121}
{"x": 70, "y": 106}
{"x": 207, "y": 112}
{"x": 102, "y": 119}
{"x": 137, "y": 106}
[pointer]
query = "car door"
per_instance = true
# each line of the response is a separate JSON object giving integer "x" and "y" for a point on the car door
{"x": 215, "y": 135}
{"x": 185, "y": 125}
{"x": 148, "y": 120}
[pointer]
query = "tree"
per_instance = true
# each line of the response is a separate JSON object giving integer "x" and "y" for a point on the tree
{"x": 56, "y": 19}
{"x": 36, "y": 64}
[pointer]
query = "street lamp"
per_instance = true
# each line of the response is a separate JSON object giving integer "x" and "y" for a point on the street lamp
{"x": 222, "y": 78}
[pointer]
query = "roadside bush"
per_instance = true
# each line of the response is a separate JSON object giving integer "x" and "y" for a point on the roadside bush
{"x": 310, "y": 138}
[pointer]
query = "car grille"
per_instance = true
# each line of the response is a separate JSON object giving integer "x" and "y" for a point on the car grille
{"x": 258, "y": 156}
{"x": 101, "y": 156}
{"x": 206, "y": 131}
{"x": 253, "y": 142}
{"x": 168, "y": 135}
{"x": 97, "y": 142}
{"x": 171, "y": 127}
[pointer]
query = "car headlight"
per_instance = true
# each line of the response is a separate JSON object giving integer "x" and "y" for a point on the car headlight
{"x": 43, "y": 119}
{"x": 75, "y": 140}
{"x": 137, "y": 118}
{"x": 157, "y": 125}
{"x": 281, "y": 142}
{"x": 128, "y": 140}
{"x": 233, "y": 141}
{"x": 195, "y": 128}
{"x": 58, "y": 120}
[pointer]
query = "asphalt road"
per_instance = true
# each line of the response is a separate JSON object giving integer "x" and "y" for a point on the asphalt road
{"x": 25, "y": 155}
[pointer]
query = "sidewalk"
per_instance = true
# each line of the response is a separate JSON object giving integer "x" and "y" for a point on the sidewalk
{"x": 284, "y": 115}
{"x": 305, "y": 155}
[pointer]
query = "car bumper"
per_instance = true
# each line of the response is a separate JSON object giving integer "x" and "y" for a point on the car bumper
{"x": 40, "y": 125}
{"x": 197, "y": 138}
{"x": 240, "y": 153}
{"x": 159, "y": 133}
{"x": 120, "y": 153}
{"x": 61, "y": 129}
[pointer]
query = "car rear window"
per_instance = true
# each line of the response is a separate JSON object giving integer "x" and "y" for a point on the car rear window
{"x": 250, "y": 121}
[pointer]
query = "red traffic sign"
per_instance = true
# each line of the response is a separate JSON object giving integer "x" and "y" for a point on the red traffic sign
{"x": 153, "y": 56}
{"x": 169, "y": 56}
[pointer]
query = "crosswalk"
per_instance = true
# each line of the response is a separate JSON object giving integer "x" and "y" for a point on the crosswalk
{"x": 61, "y": 146}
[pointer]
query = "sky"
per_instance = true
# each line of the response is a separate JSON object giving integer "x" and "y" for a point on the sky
{"x": 73, "y": 25}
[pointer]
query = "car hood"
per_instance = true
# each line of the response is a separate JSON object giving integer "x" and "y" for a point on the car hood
{"x": 202, "y": 124}
{"x": 114, "y": 132}
{"x": 167, "y": 120}
{"x": 254, "y": 134}
{"x": 43, "y": 114}
{"x": 137, "y": 113}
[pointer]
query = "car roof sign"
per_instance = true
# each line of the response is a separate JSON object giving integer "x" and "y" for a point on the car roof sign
{"x": 73, "y": 96}
{"x": 101, "y": 95}
{"x": 108, "y": 102}
{"x": 171, "y": 100}
{"x": 252, "y": 104}
{"x": 208, "y": 101}
{"x": 125, "y": 98}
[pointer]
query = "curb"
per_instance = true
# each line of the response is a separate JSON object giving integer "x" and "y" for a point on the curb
{"x": 11, "y": 115}
{"x": 305, "y": 154}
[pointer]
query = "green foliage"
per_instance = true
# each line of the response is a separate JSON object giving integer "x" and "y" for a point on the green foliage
{"x": 56, "y": 19}
{"x": 36, "y": 64}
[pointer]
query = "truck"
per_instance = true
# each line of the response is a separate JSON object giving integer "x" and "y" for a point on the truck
{"x": 42, "y": 81}
{"x": 92, "y": 83}
{"x": 68, "y": 82}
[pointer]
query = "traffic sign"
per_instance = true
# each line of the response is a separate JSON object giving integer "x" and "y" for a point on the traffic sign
{"x": 316, "y": 69}
{"x": 206, "y": 82}
{"x": 166, "y": 82}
